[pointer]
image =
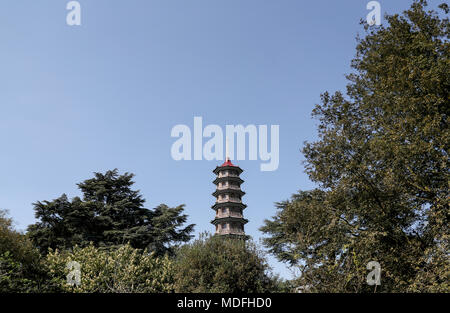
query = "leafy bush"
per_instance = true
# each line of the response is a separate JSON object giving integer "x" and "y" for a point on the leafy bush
{"x": 121, "y": 270}
{"x": 227, "y": 265}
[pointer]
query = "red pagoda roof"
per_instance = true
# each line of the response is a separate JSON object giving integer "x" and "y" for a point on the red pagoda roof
{"x": 227, "y": 163}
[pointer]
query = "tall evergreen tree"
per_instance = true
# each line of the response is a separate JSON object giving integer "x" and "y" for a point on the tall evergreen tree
{"x": 382, "y": 166}
{"x": 110, "y": 213}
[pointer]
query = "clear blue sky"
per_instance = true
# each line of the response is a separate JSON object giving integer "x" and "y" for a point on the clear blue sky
{"x": 104, "y": 95}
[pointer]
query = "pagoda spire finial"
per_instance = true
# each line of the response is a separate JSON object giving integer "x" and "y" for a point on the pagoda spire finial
{"x": 227, "y": 151}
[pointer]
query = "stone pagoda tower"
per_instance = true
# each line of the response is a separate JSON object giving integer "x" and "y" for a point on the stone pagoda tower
{"x": 229, "y": 208}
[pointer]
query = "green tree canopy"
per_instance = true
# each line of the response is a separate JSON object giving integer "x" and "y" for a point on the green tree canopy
{"x": 21, "y": 266}
{"x": 109, "y": 214}
{"x": 381, "y": 163}
{"x": 226, "y": 265}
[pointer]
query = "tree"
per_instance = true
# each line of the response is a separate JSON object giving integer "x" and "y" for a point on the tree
{"x": 121, "y": 270}
{"x": 110, "y": 214}
{"x": 21, "y": 266}
{"x": 381, "y": 163}
{"x": 225, "y": 265}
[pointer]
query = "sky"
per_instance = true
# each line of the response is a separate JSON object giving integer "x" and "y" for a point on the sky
{"x": 81, "y": 99}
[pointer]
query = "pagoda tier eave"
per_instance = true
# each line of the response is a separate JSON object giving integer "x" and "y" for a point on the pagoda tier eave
{"x": 228, "y": 178}
{"x": 228, "y": 191}
{"x": 219, "y": 220}
{"x": 219, "y": 205}
{"x": 234, "y": 236}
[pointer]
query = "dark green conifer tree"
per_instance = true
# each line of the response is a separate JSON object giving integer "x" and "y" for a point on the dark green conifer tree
{"x": 110, "y": 213}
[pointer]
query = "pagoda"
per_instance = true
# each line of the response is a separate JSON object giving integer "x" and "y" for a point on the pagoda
{"x": 229, "y": 219}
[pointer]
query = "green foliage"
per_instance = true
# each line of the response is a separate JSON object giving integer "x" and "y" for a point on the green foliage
{"x": 119, "y": 270}
{"x": 21, "y": 266}
{"x": 12, "y": 278}
{"x": 14, "y": 242}
{"x": 226, "y": 265}
{"x": 110, "y": 214}
{"x": 381, "y": 162}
